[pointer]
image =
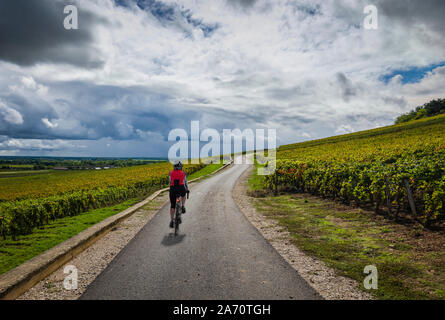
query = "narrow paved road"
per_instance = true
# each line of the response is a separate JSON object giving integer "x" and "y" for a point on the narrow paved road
{"x": 218, "y": 255}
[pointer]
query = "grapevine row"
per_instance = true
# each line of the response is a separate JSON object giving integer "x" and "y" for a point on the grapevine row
{"x": 374, "y": 183}
{"x": 22, "y": 216}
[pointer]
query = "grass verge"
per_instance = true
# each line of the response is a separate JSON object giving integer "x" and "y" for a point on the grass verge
{"x": 256, "y": 182}
{"x": 14, "y": 253}
{"x": 205, "y": 171}
{"x": 410, "y": 261}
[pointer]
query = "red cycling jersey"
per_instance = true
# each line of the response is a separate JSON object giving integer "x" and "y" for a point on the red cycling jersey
{"x": 178, "y": 175}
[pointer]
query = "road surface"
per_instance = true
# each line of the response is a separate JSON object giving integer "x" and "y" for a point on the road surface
{"x": 217, "y": 255}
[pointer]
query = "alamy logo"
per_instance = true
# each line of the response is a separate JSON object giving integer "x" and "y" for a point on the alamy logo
{"x": 71, "y": 21}
{"x": 71, "y": 280}
{"x": 371, "y": 280}
{"x": 371, "y": 21}
{"x": 253, "y": 141}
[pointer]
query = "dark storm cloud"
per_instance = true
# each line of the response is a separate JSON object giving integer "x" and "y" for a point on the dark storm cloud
{"x": 400, "y": 102}
{"x": 411, "y": 12}
{"x": 32, "y": 113}
{"x": 93, "y": 112}
{"x": 408, "y": 13}
{"x": 262, "y": 115}
{"x": 365, "y": 117}
{"x": 242, "y": 3}
{"x": 32, "y": 31}
{"x": 347, "y": 87}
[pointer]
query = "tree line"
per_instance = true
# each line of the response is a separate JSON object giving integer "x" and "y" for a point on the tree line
{"x": 70, "y": 164}
{"x": 430, "y": 109}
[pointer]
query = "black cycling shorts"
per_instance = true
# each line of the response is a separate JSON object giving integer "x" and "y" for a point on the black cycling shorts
{"x": 176, "y": 190}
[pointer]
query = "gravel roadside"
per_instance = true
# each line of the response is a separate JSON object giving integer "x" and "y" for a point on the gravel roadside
{"x": 322, "y": 278}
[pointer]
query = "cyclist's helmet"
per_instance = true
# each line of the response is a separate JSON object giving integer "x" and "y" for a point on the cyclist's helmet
{"x": 177, "y": 165}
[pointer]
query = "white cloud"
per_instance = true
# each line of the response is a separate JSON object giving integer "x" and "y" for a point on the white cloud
{"x": 49, "y": 124}
{"x": 31, "y": 84}
{"x": 345, "y": 128}
{"x": 35, "y": 144}
{"x": 432, "y": 86}
{"x": 10, "y": 115}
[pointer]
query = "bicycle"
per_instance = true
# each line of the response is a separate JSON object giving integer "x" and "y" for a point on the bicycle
{"x": 178, "y": 211}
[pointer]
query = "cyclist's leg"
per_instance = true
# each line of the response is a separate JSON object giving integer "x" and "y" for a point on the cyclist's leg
{"x": 178, "y": 208}
{"x": 183, "y": 197}
{"x": 172, "y": 196}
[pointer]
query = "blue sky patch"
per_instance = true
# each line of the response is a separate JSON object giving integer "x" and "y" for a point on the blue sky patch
{"x": 158, "y": 9}
{"x": 411, "y": 74}
{"x": 206, "y": 28}
{"x": 168, "y": 13}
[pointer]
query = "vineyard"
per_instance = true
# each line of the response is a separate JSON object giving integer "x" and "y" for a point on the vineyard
{"x": 30, "y": 202}
{"x": 394, "y": 169}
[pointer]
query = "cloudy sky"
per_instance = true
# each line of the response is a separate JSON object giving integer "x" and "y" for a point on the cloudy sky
{"x": 136, "y": 69}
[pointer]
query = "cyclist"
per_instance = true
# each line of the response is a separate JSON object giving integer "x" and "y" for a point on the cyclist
{"x": 178, "y": 186}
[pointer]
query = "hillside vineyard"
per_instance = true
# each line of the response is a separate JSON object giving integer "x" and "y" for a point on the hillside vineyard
{"x": 383, "y": 167}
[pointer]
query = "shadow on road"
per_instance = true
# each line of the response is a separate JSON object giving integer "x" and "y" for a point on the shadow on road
{"x": 171, "y": 240}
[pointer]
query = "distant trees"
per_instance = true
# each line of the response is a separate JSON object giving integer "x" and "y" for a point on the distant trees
{"x": 430, "y": 109}
{"x": 28, "y": 163}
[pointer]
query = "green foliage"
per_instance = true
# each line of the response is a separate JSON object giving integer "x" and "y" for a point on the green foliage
{"x": 430, "y": 109}
{"x": 35, "y": 163}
